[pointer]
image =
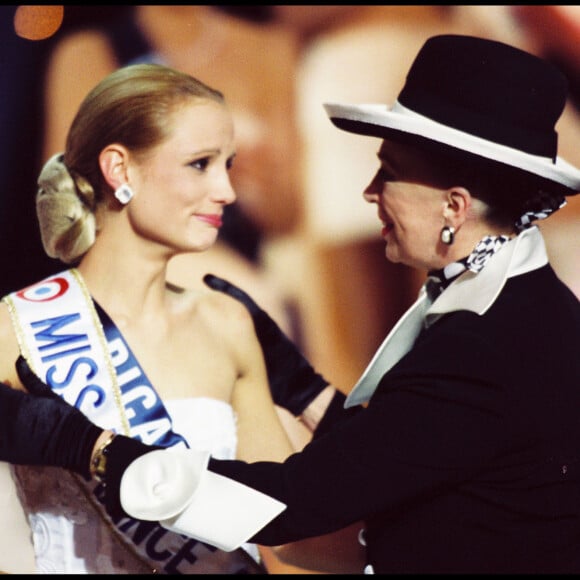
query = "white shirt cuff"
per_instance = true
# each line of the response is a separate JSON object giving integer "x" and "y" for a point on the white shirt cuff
{"x": 224, "y": 512}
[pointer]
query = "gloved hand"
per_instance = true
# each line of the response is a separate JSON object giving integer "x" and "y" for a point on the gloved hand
{"x": 43, "y": 430}
{"x": 294, "y": 384}
{"x": 121, "y": 453}
{"x": 46, "y": 430}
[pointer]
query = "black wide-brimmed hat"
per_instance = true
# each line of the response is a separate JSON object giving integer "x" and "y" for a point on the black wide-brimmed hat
{"x": 480, "y": 96}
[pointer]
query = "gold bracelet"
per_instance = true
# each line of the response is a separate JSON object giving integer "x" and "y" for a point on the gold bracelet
{"x": 99, "y": 460}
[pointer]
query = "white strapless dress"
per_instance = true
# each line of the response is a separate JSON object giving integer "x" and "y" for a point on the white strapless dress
{"x": 68, "y": 534}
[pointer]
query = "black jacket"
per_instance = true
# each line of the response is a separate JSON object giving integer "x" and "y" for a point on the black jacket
{"x": 467, "y": 459}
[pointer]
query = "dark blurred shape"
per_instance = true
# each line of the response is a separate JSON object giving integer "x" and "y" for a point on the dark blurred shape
{"x": 256, "y": 14}
{"x": 22, "y": 66}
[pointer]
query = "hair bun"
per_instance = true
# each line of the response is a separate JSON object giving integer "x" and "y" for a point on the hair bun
{"x": 67, "y": 225}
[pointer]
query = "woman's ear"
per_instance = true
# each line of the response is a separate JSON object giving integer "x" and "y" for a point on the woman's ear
{"x": 113, "y": 161}
{"x": 459, "y": 201}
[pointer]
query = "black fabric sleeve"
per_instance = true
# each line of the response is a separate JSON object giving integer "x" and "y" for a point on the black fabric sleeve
{"x": 335, "y": 413}
{"x": 294, "y": 383}
{"x": 44, "y": 431}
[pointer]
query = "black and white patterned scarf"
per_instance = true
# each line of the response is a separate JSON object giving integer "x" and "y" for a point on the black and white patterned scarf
{"x": 526, "y": 221}
{"x": 438, "y": 280}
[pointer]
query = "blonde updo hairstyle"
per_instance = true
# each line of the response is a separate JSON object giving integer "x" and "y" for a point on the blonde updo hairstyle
{"x": 132, "y": 107}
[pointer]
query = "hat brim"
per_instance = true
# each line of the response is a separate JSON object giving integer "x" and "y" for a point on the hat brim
{"x": 376, "y": 120}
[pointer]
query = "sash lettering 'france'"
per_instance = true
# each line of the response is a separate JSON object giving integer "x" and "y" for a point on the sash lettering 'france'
{"x": 74, "y": 351}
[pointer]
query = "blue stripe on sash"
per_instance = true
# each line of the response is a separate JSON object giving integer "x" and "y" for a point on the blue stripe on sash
{"x": 148, "y": 417}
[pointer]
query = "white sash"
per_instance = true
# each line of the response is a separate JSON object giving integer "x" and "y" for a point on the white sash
{"x": 68, "y": 349}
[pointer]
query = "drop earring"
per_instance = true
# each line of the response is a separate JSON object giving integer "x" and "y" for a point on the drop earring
{"x": 448, "y": 235}
{"x": 124, "y": 194}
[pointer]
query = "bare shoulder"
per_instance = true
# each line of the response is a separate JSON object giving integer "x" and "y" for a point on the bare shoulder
{"x": 188, "y": 270}
{"x": 229, "y": 326}
{"x": 233, "y": 315}
{"x": 5, "y": 323}
{"x": 219, "y": 313}
{"x": 8, "y": 348}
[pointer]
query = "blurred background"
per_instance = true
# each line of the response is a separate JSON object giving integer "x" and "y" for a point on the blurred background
{"x": 300, "y": 240}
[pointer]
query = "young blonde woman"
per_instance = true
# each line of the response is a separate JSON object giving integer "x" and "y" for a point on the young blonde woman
{"x": 144, "y": 177}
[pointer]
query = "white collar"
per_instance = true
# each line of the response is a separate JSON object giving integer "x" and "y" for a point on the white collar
{"x": 471, "y": 291}
{"x": 478, "y": 291}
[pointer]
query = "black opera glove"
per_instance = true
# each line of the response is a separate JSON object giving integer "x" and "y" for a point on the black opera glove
{"x": 46, "y": 430}
{"x": 120, "y": 453}
{"x": 43, "y": 429}
{"x": 294, "y": 384}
